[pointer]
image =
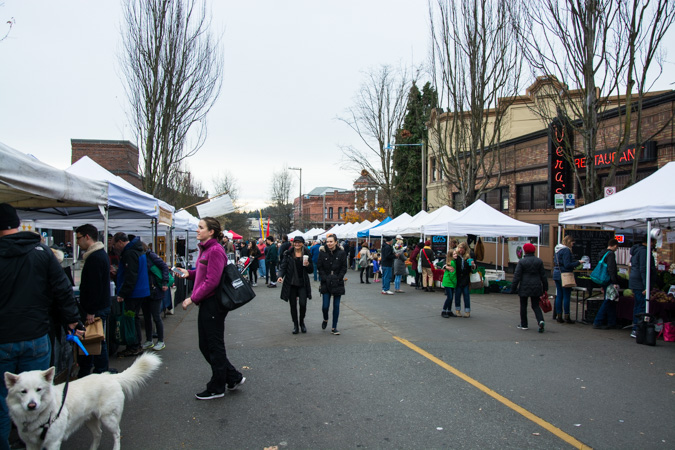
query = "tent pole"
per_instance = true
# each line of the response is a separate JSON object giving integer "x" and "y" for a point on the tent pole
{"x": 649, "y": 263}
{"x": 497, "y": 253}
{"x": 104, "y": 210}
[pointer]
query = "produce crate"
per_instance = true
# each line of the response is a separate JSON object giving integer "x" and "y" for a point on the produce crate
{"x": 592, "y": 308}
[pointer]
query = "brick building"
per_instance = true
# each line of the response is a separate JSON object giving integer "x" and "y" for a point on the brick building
{"x": 528, "y": 172}
{"x": 336, "y": 202}
{"x": 118, "y": 157}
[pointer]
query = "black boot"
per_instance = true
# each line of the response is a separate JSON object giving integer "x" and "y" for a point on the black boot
{"x": 302, "y": 327}
{"x": 295, "y": 329}
{"x": 567, "y": 319}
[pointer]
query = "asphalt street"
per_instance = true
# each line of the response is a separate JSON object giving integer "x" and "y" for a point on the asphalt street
{"x": 401, "y": 376}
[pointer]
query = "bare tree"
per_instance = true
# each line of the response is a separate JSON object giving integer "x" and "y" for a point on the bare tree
{"x": 10, "y": 24}
{"x": 476, "y": 68}
{"x": 379, "y": 110}
{"x": 226, "y": 183}
{"x": 172, "y": 67}
{"x": 644, "y": 24}
{"x": 601, "y": 48}
{"x": 281, "y": 210}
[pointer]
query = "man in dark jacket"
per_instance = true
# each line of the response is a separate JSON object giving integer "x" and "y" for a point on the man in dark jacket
{"x": 152, "y": 307}
{"x": 133, "y": 283}
{"x": 637, "y": 282}
{"x": 34, "y": 291}
{"x": 608, "y": 309}
{"x": 285, "y": 245}
{"x": 387, "y": 264}
{"x": 272, "y": 257}
{"x": 94, "y": 294}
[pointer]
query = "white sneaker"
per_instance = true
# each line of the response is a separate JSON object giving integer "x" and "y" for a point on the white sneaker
{"x": 389, "y": 293}
{"x": 254, "y": 284}
{"x": 148, "y": 344}
{"x": 159, "y": 346}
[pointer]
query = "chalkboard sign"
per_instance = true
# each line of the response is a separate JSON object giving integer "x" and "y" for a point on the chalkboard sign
{"x": 439, "y": 244}
{"x": 589, "y": 243}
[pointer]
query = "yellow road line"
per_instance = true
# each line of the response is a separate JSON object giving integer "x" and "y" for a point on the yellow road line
{"x": 519, "y": 409}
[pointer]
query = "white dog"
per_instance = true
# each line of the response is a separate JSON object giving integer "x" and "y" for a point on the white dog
{"x": 34, "y": 402}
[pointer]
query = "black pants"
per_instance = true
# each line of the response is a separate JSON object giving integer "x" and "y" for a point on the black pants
{"x": 211, "y": 329}
{"x": 151, "y": 312}
{"x": 253, "y": 271}
{"x": 418, "y": 280}
{"x": 271, "y": 272}
{"x": 361, "y": 271}
{"x": 298, "y": 293}
{"x": 535, "y": 307}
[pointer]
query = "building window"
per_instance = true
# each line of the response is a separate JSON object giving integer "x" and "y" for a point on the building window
{"x": 532, "y": 196}
{"x": 498, "y": 198}
{"x": 544, "y": 235}
{"x": 339, "y": 213}
{"x": 432, "y": 168}
{"x": 346, "y": 211}
{"x": 330, "y": 213}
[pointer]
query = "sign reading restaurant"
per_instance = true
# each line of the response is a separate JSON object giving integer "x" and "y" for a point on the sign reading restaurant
{"x": 604, "y": 158}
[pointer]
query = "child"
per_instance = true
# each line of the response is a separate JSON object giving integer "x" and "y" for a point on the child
{"x": 449, "y": 283}
{"x": 376, "y": 268}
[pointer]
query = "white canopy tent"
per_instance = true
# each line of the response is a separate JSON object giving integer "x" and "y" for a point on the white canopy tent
{"x": 311, "y": 235}
{"x": 482, "y": 219}
{"x": 414, "y": 225}
{"x": 346, "y": 228}
{"x": 354, "y": 232}
{"x": 638, "y": 206}
{"x": 292, "y": 235}
{"x": 386, "y": 229}
{"x": 26, "y": 182}
{"x": 441, "y": 216}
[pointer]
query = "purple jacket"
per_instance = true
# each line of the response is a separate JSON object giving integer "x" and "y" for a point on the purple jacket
{"x": 210, "y": 265}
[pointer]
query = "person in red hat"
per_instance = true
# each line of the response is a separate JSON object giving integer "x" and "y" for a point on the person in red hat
{"x": 529, "y": 281}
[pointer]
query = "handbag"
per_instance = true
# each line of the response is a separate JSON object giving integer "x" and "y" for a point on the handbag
{"x": 611, "y": 293}
{"x": 125, "y": 328}
{"x": 476, "y": 281}
{"x": 600, "y": 274}
{"x": 669, "y": 332}
{"x": 545, "y": 303}
{"x": 157, "y": 273}
{"x": 234, "y": 290}
{"x": 567, "y": 279}
{"x": 93, "y": 336}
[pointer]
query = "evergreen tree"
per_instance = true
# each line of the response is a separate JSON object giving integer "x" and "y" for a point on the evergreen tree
{"x": 407, "y": 179}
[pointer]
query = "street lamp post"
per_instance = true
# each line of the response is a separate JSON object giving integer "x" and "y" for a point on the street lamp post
{"x": 300, "y": 214}
{"x": 424, "y": 169}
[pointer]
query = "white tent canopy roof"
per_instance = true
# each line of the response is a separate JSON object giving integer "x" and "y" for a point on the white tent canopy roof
{"x": 403, "y": 229}
{"x": 441, "y": 216}
{"x": 292, "y": 235}
{"x": 344, "y": 229}
{"x": 390, "y": 228}
{"x": 183, "y": 220}
{"x": 482, "y": 219}
{"x": 26, "y": 182}
{"x": 353, "y": 233}
{"x": 651, "y": 198}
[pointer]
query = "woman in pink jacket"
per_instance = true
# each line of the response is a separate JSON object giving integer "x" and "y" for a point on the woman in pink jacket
{"x": 211, "y": 319}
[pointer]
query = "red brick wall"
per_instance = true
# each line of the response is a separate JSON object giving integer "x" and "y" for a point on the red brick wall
{"x": 312, "y": 209}
{"x": 118, "y": 157}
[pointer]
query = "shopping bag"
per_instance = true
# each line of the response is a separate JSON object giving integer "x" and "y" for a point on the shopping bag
{"x": 157, "y": 273}
{"x": 125, "y": 328}
{"x": 600, "y": 274}
{"x": 545, "y": 303}
{"x": 669, "y": 331}
{"x": 568, "y": 280}
{"x": 93, "y": 336}
{"x": 235, "y": 291}
{"x": 476, "y": 281}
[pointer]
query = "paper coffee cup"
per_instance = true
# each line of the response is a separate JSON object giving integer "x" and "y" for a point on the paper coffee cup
{"x": 305, "y": 258}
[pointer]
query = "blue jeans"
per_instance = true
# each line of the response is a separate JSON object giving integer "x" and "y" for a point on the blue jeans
{"x": 17, "y": 357}
{"x": 459, "y": 291}
{"x": 449, "y": 294}
{"x": 562, "y": 298}
{"x": 397, "y": 282}
{"x": 336, "y": 308}
{"x": 316, "y": 271}
{"x": 261, "y": 268}
{"x": 386, "y": 278}
{"x": 639, "y": 307}
{"x": 607, "y": 312}
{"x": 98, "y": 362}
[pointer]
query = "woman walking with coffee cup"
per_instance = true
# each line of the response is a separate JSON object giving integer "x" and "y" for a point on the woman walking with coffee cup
{"x": 294, "y": 273}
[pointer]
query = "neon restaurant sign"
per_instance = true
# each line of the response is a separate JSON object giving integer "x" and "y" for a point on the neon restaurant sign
{"x": 559, "y": 170}
{"x": 605, "y": 158}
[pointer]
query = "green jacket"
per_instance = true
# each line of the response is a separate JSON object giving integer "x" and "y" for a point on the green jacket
{"x": 450, "y": 278}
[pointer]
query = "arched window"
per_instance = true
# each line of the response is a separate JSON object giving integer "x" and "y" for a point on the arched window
{"x": 339, "y": 213}
{"x": 330, "y": 213}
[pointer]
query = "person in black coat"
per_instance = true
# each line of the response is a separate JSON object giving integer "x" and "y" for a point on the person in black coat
{"x": 94, "y": 294}
{"x": 152, "y": 307}
{"x": 294, "y": 273}
{"x": 332, "y": 267}
{"x": 529, "y": 280}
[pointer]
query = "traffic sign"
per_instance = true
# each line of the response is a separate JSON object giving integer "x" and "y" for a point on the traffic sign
{"x": 610, "y": 190}
{"x": 559, "y": 201}
{"x": 569, "y": 201}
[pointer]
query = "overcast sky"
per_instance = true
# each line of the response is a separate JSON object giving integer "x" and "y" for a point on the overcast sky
{"x": 291, "y": 67}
